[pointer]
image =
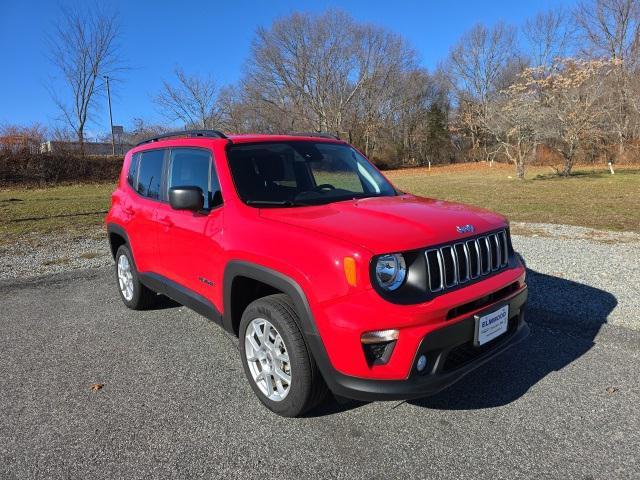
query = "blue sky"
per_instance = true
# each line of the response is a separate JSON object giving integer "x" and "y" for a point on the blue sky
{"x": 209, "y": 37}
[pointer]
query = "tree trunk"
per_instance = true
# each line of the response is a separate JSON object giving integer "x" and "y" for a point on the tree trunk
{"x": 568, "y": 165}
{"x": 520, "y": 169}
{"x": 81, "y": 141}
{"x": 620, "y": 147}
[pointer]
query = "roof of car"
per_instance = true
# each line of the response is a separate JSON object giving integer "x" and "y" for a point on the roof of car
{"x": 259, "y": 137}
{"x": 241, "y": 138}
{"x": 200, "y": 137}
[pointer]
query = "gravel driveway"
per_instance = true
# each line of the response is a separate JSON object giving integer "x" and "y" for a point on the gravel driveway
{"x": 606, "y": 261}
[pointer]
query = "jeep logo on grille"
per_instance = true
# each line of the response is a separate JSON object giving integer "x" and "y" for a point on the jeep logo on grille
{"x": 468, "y": 228}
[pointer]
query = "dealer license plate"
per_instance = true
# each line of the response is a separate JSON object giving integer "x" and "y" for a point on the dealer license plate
{"x": 491, "y": 325}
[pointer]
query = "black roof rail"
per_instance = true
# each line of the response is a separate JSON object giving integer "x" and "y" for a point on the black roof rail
{"x": 314, "y": 134}
{"x": 185, "y": 133}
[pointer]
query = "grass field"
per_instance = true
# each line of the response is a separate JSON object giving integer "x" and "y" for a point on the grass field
{"x": 591, "y": 198}
{"x": 73, "y": 209}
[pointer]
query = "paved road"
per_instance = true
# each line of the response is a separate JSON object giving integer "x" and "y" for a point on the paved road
{"x": 175, "y": 403}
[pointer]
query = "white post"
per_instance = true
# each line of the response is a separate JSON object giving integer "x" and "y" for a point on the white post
{"x": 429, "y": 164}
{"x": 611, "y": 168}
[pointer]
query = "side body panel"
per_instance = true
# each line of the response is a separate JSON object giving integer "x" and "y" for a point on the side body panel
{"x": 189, "y": 250}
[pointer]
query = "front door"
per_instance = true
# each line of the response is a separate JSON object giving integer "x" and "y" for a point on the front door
{"x": 189, "y": 242}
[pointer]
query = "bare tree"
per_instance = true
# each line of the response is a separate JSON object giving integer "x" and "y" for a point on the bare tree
{"x": 234, "y": 111}
{"x": 512, "y": 119}
{"x": 573, "y": 107}
{"x": 83, "y": 48}
{"x": 62, "y": 133}
{"x": 141, "y": 130}
{"x": 611, "y": 29}
{"x": 311, "y": 72}
{"x": 15, "y": 138}
{"x": 193, "y": 101}
{"x": 412, "y": 123}
{"x": 477, "y": 62}
{"x": 549, "y": 37}
{"x": 483, "y": 62}
{"x": 301, "y": 67}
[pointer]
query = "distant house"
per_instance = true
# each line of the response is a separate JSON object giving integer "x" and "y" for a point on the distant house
{"x": 18, "y": 143}
{"x": 90, "y": 148}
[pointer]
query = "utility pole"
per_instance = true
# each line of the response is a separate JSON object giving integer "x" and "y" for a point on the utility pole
{"x": 113, "y": 141}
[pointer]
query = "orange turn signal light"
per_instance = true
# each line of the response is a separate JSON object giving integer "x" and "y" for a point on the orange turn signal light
{"x": 349, "y": 264}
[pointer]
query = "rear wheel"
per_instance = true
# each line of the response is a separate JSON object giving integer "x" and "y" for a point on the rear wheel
{"x": 276, "y": 360}
{"x": 134, "y": 295}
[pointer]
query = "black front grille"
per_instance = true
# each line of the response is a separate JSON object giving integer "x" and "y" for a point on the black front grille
{"x": 451, "y": 265}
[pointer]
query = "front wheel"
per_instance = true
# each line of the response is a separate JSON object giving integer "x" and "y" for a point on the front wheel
{"x": 276, "y": 360}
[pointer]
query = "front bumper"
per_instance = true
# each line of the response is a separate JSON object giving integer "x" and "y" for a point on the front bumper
{"x": 450, "y": 356}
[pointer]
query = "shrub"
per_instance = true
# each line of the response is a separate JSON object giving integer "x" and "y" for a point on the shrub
{"x": 24, "y": 168}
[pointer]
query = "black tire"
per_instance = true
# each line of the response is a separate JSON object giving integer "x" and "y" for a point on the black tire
{"x": 307, "y": 387}
{"x": 143, "y": 298}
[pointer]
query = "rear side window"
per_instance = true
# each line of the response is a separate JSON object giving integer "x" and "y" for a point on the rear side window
{"x": 192, "y": 167}
{"x": 132, "y": 176}
{"x": 150, "y": 174}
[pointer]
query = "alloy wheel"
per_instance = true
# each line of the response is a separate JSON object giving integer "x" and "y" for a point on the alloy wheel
{"x": 125, "y": 278}
{"x": 268, "y": 359}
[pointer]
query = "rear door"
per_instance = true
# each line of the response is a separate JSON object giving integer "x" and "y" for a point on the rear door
{"x": 142, "y": 228}
{"x": 189, "y": 242}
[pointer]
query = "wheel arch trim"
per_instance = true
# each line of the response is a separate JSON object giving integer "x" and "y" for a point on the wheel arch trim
{"x": 273, "y": 278}
{"x": 118, "y": 230}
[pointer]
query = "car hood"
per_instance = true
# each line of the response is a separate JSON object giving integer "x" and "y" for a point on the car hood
{"x": 390, "y": 224}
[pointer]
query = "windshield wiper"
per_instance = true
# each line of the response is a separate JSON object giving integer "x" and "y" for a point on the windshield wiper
{"x": 278, "y": 203}
{"x": 354, "y": 196}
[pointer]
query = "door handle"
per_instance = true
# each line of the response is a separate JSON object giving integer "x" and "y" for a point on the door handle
{"x": 166, "y": 221}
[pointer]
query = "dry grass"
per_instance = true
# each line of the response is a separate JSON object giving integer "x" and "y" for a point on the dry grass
{"x": 57, "y": 261}
{"x": 33, "y": 212}
{"x": 590, "y": 198}
{"x": 89, "y": 255}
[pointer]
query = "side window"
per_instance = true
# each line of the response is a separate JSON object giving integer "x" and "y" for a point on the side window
{"x": 132, "y": 176}
{"x": 150, "y": 174}
{"x": 192, "y": 167}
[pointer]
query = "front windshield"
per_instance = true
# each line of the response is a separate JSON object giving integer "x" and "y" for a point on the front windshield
{"x": 303, "y": 173}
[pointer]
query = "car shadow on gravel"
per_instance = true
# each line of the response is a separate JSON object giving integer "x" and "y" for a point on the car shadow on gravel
{"x": 564, "y": 317}
{"x": 162, "y": 303}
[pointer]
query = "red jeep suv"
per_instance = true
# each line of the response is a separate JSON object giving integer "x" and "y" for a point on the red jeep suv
{"x": 331, "y": 278}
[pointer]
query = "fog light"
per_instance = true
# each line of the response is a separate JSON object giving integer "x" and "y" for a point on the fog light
{"x": 378, "y": 353}
{"x": 422, "y": 362}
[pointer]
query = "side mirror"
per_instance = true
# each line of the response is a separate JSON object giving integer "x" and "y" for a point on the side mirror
{"x": 186, "y": 198}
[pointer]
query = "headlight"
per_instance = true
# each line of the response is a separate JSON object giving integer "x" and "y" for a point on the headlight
{"x": 391, "y": 271}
